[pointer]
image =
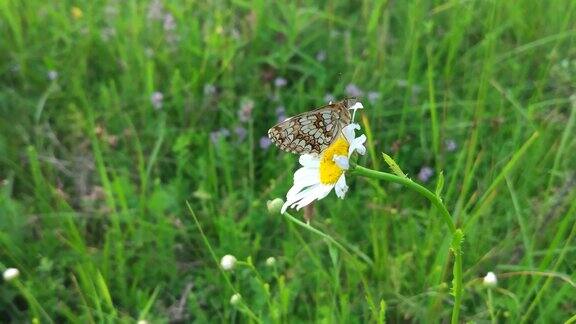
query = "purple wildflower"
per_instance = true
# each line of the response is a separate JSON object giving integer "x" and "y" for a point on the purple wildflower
{"x": 216, "y": 136}
{"x": 425, "y": 173}
{"x": 450, "y": 145}
{"x": 155, "y": 10}
{"x": 245, "y": 112}
{"x": 241, "y": 133}
{"x": 352, "y": 90}
{"x": 169, "y": 22}
{"x": 265, "y": 142}
{"x": 281, "y": 114}
{"x": 280, "y": 82}
{"x": 373, "y": 96}
{"x": 157, "y": 99}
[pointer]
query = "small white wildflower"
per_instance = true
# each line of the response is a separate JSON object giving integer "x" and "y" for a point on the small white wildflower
{"x": 490, "y": 279}
{"x": 353, "y": 90}
{"x": 245, "y": 111}
{"x": 280, "y": 82}
{"x": 271, "y": 261}
{"x": 235, "y": 299}
{"x": 157, "y": 99}
{"x": 209, "y": 89}
{"x": 321, "y": 56}
{"x": 11, "y": 274}
{"x": 228, "y": 262}
{"x": 142, "y": 321}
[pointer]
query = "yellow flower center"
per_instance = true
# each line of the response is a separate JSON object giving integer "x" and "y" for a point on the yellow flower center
{"x": 330, "y": 172}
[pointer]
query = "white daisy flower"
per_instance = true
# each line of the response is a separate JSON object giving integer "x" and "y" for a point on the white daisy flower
{"x": 320, "y": 174}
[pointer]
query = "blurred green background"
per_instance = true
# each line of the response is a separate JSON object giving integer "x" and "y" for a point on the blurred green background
{"x": 114, "y": 114}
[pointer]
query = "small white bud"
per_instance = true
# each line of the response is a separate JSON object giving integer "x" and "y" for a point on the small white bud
{"x": 228, "y": 262}
{"x": 274, "y": 205}
{"x": 142, "y": 321}
{"x": 11, "y": 274}
{"x": 490, "y": 279}
{"x": 235, "y": 299}
{"x": 52, "y": 75}
{"x": 271, "y": 261}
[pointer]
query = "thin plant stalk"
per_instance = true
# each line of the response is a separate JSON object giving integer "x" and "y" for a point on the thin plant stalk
{"x": 446, "y": 217}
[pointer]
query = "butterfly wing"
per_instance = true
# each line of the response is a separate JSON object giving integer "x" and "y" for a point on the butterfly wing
{"x": 307, "y": 133}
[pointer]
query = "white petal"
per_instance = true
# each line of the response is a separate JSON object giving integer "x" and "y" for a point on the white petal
{"x": 293, "y": 192}
{"x": 304, "y": 196}
{"x": 295, "y": 195}
{"x": 341, "y": 188}
{"x": 350, "y": 132}
{"x": 357, "y": 105}
{"x": 306, "y": 176}
{"x": 341, "y": 161}
{"x": 309, "y": 160}
{"x": 315, "y": 193}
{"x": 303, "y": 177}
{"x": 357, "y": 145}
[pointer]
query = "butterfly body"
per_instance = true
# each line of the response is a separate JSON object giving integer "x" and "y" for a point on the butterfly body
{"x": 313, "y": 131}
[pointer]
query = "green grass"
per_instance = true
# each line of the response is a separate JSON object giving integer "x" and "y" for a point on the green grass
{"x": 95, "y": 180}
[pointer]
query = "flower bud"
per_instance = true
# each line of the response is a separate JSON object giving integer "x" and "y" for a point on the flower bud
{"x": 490, "y": 280}
{"x": 11, "y": 274}
{"x": 275, "y": 205}
{"x": 228, "y": 262}
{"x": 235, "y": 299}
{"x": 271, "y": 261}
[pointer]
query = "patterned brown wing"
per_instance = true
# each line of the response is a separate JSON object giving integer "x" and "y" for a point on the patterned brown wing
{"x": 308, "y": 133}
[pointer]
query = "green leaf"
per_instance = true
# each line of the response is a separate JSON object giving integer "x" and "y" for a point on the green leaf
{"x": 393, "y": 166}
{"x": 440, "y": 184}
{"x": 456, "y": 245}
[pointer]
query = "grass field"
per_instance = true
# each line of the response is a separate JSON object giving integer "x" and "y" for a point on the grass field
{"x": 133, "y": 156}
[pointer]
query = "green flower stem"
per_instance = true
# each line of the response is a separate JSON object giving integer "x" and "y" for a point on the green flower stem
{"x": 437, "y": 202}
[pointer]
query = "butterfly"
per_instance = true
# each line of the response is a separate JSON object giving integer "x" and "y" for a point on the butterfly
{"x": 313, "y": 131}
